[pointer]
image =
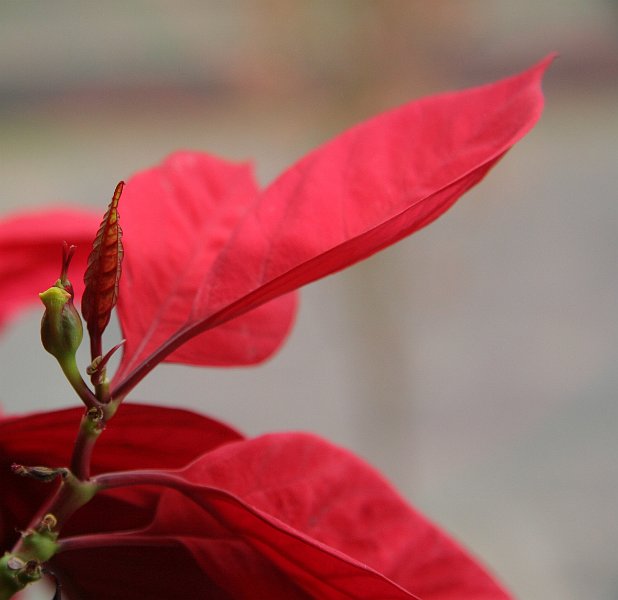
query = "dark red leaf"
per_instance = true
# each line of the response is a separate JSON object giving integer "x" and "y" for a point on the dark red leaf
{"x": 103, "y": 274}
{"x": 284, "y": 517}
{"x": 139, "y": 437}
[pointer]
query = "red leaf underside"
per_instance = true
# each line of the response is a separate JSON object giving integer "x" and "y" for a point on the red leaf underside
{"x": 283, "y": 516}
{"x": 140, "y": 437}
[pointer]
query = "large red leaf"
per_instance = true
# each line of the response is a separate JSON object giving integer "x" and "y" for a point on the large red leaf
{"x": 31, "y": 254}
{"x": 369, "y": 187}
{"x": 283, "y": 517}
{"x": 176, "y": 219}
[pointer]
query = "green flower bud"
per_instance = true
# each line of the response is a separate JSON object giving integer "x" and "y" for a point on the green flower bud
{"x": 61, "y": 329}
{"x": 61, "y": 326}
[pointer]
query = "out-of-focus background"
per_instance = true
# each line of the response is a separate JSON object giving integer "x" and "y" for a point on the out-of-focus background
{"x": 474, "y": 363}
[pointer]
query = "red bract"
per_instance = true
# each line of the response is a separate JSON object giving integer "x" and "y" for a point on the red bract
{"x": 281, "y": 517}
{"x": 31, "y": 253}
{"x": 216, "y": 248}
{"x": 211, "y": 260}
{"x": 177, "y": 219}
{"x": 209, "y": 278}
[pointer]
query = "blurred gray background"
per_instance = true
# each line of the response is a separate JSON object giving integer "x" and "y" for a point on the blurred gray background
{"x": 473, "y": 363}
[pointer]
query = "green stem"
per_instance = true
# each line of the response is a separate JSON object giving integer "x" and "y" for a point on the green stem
{"x": 70, "y": 496}
{"x": 71, "y": 371}
{"x": 89, "y": 431}
{"x": 101, "y": 389}
{"x": 92, "y": 424}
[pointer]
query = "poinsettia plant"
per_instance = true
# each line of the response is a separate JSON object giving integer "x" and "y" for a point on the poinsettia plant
{"x": 204, "y": 271}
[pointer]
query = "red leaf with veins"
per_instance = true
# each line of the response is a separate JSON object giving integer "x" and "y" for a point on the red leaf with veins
{"x": 284, "y": 516}
{"x": 227, "y": 249}
{"x": 103, "y": 274}
{"x": 176, "y": 219}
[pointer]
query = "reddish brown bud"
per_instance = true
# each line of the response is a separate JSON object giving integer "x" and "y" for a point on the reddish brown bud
{"x": 103, "y": 274}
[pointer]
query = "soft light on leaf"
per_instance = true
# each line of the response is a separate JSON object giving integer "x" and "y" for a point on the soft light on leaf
{"x": 229, "y": 249}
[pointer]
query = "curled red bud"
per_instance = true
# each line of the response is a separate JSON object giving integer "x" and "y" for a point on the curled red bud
{"x": 103, "y": 274}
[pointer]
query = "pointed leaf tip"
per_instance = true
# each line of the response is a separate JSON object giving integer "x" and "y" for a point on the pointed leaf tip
{"x": 103, "y": 274}
{"x": 236, "y": 250}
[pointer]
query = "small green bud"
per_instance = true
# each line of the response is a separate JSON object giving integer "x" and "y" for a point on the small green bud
{"x": 39, "y": 545}
{"x": 61, "y": 326}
